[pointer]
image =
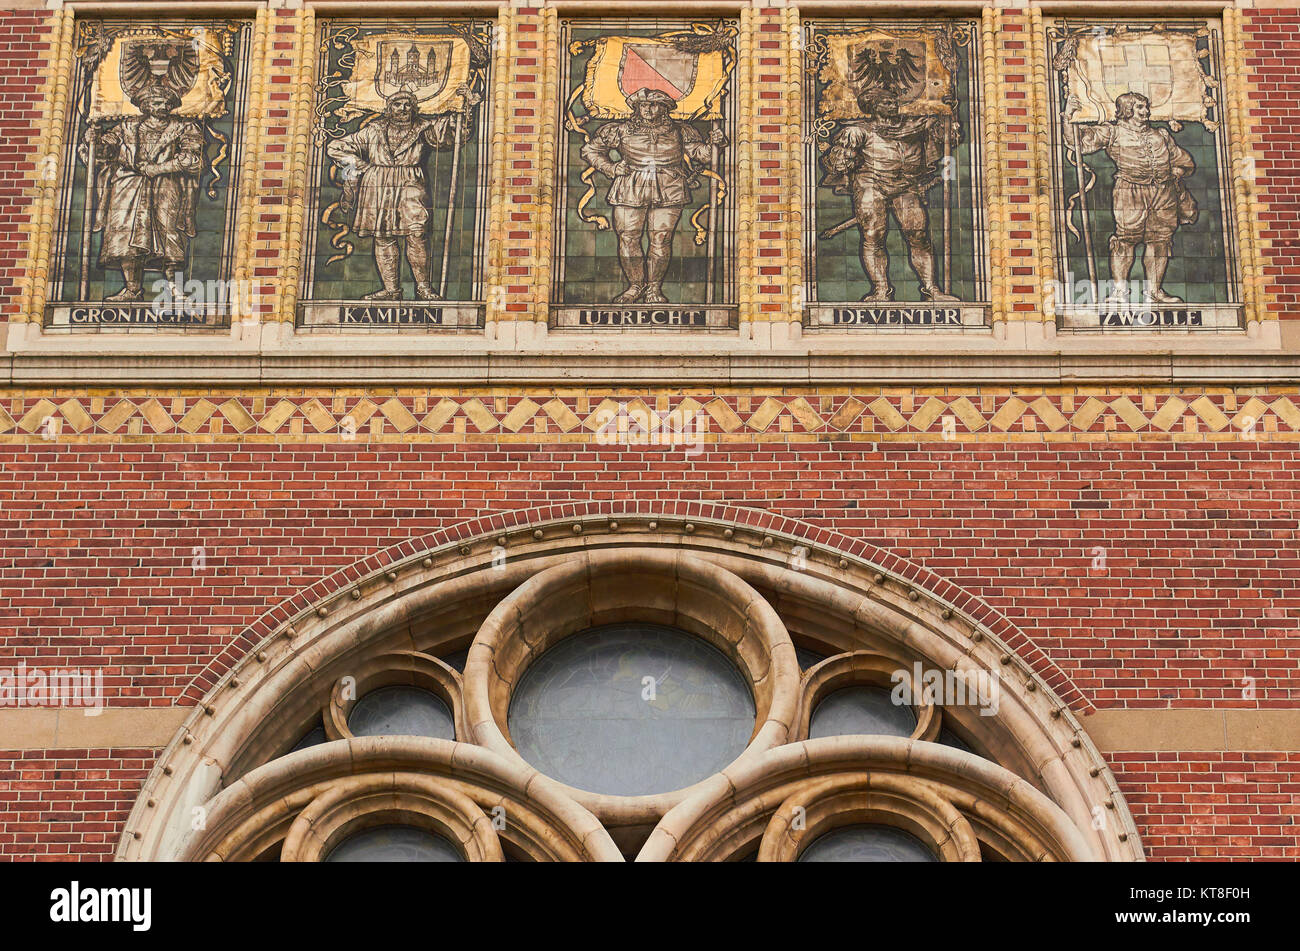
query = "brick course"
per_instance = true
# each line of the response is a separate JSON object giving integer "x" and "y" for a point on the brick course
{"x": 68, "y": 805}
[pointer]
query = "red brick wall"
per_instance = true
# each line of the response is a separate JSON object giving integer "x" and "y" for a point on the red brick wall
{"x": 1273, "y": 60}
{"x": 1199, "y": 588}
{"x": 1221, "y": 806}
{"x": 69, "y": 805}
{"x": 1198, "y": 592}
{"x": 24, "y": 59}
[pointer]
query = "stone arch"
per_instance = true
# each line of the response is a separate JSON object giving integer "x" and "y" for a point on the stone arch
{"x": 448, "y": 583}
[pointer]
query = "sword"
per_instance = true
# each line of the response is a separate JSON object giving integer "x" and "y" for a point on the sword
{"x": 840, "y": 228}
{"x": 923, "y": 185}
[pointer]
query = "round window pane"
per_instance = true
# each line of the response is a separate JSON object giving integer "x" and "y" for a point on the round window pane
{"x": 402, "y": 711}
{"x": 313, "y": 737}
{"x": 631, "y": 709}
{"x": 867, "y": 843}
{"x": 395, "y": 844}
{"x": 869, "y": 710}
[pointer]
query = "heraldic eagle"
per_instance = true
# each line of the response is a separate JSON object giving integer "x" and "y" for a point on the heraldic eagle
{"x": 154, "y": 62}
{"x": 885, "y": 69}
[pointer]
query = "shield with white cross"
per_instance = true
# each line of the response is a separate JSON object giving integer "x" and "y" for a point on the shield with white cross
{"x": 1165, "y": 68}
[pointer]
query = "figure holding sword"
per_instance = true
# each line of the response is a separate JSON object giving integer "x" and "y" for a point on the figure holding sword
{"x": 888, "y": 163}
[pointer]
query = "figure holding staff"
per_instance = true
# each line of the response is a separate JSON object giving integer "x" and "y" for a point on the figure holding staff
{"x": 1149, "y": 201}
{"x": 384, "y": 183}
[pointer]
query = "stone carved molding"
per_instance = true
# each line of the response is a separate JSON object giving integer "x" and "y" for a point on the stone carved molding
{"x": 593, "y": 588}
{"x": 313, "y": 798}
{"x": 230, "y": 757}
{"x": 857, "y": 668}
{"x": 903, "y": 802}
{"x": 406, "y": 668}
{"x": 376, "y": 799}
{"x": 945, "y": 797}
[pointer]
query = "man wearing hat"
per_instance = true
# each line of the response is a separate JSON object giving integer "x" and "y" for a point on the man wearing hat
{"x": 651, "y": 184}
{"x": 147, "y": 176}
{"x": 1150, "y": 199}
{"x": 382, "y": 172}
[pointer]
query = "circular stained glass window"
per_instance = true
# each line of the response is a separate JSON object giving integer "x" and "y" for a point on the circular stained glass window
{"x": 869, "y": 710}
{"x": 402, "y": 711}
{"x": 631, "y": 709}
{"x": 395, "y": 844}
{"x": 867, "y": 843}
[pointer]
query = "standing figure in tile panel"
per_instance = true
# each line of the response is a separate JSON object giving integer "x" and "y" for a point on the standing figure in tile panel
{"x": 148, "y": 199}
{"x": 1143, "y": 211}
{"x": 893, "y": 175}
{"x": 399, "y": 197}
{"x": 644, "y": 237}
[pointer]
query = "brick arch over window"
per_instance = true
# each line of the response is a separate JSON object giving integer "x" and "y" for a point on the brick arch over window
{"x": 556, "y": 520}
{"x": 443, "y": 590}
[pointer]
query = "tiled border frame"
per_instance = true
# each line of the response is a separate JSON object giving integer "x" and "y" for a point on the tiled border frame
{"x": 53, "y": 121}
{"x": 307, "y": 37}
{"x": 743, "y": 14}
{"x": 769, "y": 245}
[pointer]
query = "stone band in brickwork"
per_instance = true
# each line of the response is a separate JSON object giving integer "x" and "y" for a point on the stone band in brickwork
{"x": 887, "y": 415}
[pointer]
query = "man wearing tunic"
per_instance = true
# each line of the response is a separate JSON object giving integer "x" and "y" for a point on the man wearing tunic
{"x": 383, "y": 178}
{"x": 147, "y": 178}
{"x": 1149, "y": 199}
{"x": 651, "y": 185}
{"x": 888, "y": 162}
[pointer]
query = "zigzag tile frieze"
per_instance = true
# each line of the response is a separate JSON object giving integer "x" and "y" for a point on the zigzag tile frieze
{"x": 579, "y": 417}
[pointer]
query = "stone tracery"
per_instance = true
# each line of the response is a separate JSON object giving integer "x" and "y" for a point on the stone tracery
{"x": 709, "y": 581}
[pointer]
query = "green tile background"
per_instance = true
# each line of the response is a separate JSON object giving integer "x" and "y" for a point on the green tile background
{"x": 1200, "y": 266}
{"x": 210, "y": 213}
{"x": 1198, "y": 270}
{"x": 355, "y": 276}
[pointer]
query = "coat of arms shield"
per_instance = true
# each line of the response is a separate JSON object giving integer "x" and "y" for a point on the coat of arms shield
{"x": 416, "y": 66}
{"x": 663, "y": 68}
